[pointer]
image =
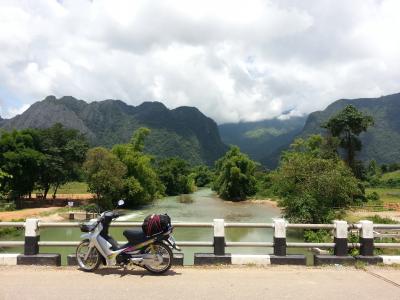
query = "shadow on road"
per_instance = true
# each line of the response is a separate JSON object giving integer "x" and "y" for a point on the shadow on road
{"x": 137, "y": 272}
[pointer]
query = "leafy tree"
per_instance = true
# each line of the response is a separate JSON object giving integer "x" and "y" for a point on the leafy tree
{"x": 384, "y": 168}
{"x": 2, "y": 176}
{"x": 373, "y": 169}
{"x": 138, "y": 138}
{"x": 21, "y": 158}
{"x": 311, "y": 185}
{"x": 264, "y": 184}
{"x": 40, "y": 158}
{"x": 234, "y": 175}
{"x": 105, "y": 176}
{"x": 202, "y": 175}
{"x": 347, "y": 126}
{"x": 394, "y": 167}
{"x": 175, "y": 175}
{"x": 65, "y": 150}
{"x": 142, "y": 184}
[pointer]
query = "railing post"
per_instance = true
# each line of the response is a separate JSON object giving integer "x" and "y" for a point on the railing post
{"x": 219, "y": 237}
{"x": 367, "y": 238}
{"x": 279, "y": 237}
{"x": 32, "y": 237}
{"x": 340, "y": 238}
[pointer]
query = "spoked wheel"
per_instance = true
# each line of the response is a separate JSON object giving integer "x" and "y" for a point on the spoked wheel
{"x": 162, "y": 258}
{"x": 93, "y": 259}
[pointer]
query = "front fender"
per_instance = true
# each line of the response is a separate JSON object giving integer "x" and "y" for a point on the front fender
{"x": 85, "y": 236}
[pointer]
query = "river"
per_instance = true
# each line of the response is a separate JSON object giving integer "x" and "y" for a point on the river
{"x": 201, "y": 206}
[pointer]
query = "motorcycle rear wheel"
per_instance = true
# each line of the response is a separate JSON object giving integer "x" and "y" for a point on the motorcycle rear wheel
{"x": 94, "y": 259}
{"x": 159, "y": 249}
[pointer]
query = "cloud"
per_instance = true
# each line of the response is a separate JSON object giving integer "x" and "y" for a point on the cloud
{"x": 234, "y": 60}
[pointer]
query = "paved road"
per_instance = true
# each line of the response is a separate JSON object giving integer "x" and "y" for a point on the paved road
{"x": 274, "y": 282}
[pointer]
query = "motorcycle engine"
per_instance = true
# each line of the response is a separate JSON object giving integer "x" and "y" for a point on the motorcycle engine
{"x": 122, "y": 259}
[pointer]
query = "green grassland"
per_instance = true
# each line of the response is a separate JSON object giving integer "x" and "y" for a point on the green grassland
{"x": 391, "y": 175}
{"x": 74, "y": 187}
{"x": 386, "y": 194}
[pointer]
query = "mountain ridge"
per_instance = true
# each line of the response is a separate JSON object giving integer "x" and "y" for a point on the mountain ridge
{"x": 110, "y": 122}
{"x": 381, "y": 141}
{"x": 262, "y": 139}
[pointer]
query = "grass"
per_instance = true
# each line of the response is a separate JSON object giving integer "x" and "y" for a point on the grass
{"x": 391, "y": 175}
{"x": 360, "y": 265}
{"x": 386, "y": 194}
{"x": 74, "y": 187}
{"x": 377, "y": 219}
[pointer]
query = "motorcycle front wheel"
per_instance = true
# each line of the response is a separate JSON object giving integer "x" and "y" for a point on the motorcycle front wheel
{"x": 93, "y": 259}
{"x": 162, "y": 258}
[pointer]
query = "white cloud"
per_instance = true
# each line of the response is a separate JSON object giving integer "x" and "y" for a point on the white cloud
{"x": 234, "y": 60}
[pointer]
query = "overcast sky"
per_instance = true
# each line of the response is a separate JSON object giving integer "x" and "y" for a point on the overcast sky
{"x": 234, "y": 60}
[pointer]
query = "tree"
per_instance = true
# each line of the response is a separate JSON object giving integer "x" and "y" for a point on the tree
{"x": 202, "y": 175}
{"x": 174, "y": 173}
{"x": 64, "y": 152}
{"x": 105, "y": 176}
{"x": 21, "y": 158}
{"x": 2, "y": 190}
{"x": 142, "y": 184}
{"x": 347, "y": 126}
{"x": 234, "y": 175}
{"x": 310, "y": 185}
{"x": 138, "y": 138}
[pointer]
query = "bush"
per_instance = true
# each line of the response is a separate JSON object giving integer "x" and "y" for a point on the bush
{"x": 310, "y": 186}
{"x": 234, "y": 174}
{"x": 7, "y": 206}
{"x": 264, "y": 185}
{"x": 374, "y": 196}
{"x": 91, "y": 208}
{"x": 381, "y": 220}
{"x": 175, "y": 174}
{"x": 202, "y": 176}
{"x": 317, "y": 236}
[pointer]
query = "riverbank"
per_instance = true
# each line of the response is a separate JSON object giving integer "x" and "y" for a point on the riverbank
{"x": 44, "y": 212}
{"x": 354, "y": 216}
{"x": 268, "y": 201}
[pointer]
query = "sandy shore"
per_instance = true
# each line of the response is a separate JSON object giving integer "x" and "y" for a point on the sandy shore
{"x": 262, "y": 201}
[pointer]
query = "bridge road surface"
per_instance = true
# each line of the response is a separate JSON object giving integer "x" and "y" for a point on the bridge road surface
{"x": 272, "y": 282}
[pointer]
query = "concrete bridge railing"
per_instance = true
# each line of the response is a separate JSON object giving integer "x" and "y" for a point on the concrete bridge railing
{"x": 366, "y": 230}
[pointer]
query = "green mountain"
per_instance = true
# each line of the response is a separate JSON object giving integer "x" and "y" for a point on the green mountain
{"x": 184, "y": 131}
{"x": 263, "y": 140}
{"x": 382, "y": 141}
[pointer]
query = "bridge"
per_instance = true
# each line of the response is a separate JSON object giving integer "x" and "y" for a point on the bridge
{"x": 233, "y": 282}
{"x": 366, "y": 230}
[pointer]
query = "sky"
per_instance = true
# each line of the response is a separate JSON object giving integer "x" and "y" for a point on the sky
{"x": 234, "y": 60}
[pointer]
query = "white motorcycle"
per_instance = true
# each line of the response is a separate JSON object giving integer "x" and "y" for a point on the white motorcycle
{"x": 152, "y": 252}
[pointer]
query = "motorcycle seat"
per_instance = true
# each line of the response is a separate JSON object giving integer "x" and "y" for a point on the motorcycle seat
{"x": 135, "y": 236}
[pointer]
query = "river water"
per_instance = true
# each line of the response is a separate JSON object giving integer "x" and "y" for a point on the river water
{"x": 201, "y": 206}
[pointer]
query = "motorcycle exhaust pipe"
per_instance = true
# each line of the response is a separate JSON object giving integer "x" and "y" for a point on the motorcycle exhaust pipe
{"x": 137, "y": 260}
{"x": 147, "y": 259}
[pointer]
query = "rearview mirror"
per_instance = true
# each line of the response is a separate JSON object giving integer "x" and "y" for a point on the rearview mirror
{"x": 121, "y": 202}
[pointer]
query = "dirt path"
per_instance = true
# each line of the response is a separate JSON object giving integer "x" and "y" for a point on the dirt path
{"x": 83, "y": 196}
{"x": 275, "y": 282}
{"x": 25, "y": 213}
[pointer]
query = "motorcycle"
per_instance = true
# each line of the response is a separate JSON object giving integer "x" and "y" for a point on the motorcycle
{"x": 152, "y": 253}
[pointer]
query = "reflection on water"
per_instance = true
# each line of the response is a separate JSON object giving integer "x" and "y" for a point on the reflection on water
{"x": 201, "y": 206}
